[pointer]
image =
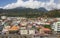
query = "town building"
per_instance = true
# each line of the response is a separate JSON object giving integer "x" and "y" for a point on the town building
{"x": 56, "y": 26}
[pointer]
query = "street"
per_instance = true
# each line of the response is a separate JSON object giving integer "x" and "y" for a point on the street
{"x": 26, "y": 36}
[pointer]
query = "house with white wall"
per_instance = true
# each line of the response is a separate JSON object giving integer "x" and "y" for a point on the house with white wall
{"x": 56, "y": 26}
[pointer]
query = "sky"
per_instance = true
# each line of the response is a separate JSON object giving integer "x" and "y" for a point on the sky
{"x": 34, "y": 4}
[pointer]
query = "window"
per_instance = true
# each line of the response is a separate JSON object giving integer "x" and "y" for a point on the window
{"x": 58, "y": 24}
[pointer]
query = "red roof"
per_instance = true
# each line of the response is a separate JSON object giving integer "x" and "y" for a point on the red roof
{"x": 46, "y": 29}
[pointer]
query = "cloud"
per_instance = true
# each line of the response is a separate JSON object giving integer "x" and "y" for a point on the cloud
{"x": 33, "y": 4}
{"x": 58, "y": 6}
{"x": 0, "y": 7}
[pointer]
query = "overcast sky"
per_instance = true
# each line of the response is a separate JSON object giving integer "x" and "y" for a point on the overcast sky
{"x": 34, "y": 4}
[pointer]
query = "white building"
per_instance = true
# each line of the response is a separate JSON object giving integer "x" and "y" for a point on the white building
{"x": 56, "y": 26}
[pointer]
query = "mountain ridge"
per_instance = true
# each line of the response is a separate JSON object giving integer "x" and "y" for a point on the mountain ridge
{"x": 28, "y": 12}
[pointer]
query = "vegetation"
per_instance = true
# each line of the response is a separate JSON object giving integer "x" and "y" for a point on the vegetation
{"x": 54, "y": 13}
{"x": 27, "y": 12}
{"x": 47, "y": 26}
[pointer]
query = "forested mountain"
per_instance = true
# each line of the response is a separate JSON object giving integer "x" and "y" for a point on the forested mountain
{"x": 27, "y": 12}
{"x": 54, "y": 13}
{"x": 23, "y": 12}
